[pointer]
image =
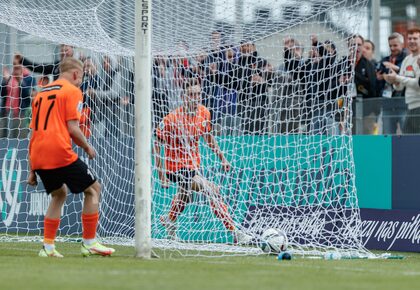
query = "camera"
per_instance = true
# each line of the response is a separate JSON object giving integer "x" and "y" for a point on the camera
{"x": 385, "y": 70}
{"x": 382, "y": 69}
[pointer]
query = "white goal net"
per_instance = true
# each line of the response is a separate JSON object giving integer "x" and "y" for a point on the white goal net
{"x": 277, "y": 79}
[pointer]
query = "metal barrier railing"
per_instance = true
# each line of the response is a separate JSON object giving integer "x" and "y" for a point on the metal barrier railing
{"x": 382, "y": 116}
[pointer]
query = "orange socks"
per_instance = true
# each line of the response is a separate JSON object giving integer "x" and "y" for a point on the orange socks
{"x": 50, "y": 230}
{"x": 220, "y": 209}
{"x": 89, "y": 224}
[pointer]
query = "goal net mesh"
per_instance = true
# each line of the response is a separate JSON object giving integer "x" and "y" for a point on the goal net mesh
{"x": 276, "y": 77}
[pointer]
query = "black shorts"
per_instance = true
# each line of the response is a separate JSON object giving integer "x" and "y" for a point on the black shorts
{"x": 76, "y": 176}
{"x": 183, "y": 177}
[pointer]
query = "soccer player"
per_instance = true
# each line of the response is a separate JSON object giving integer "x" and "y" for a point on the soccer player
{"x": 180, "y": 133}
{"x": 55, "y": 122}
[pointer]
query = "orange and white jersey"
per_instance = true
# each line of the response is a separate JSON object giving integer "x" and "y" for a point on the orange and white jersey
{"x": 50, "y": 145}
{"x": 181, "y": 134}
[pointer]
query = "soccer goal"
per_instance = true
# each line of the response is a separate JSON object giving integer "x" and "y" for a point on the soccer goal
{"x": 275, "y": 81}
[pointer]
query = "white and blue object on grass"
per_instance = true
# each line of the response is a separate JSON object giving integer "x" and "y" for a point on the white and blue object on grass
{"x": 273, "y": 241}
{"x": 332, "y": 256}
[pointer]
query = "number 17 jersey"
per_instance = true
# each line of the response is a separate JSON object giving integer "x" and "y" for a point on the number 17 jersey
{"x": 50, "y": 146}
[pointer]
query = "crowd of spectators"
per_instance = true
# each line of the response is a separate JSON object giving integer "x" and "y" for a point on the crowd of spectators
{"x": 306, "y": 94}
{"x": 245, "y": 94}
{"x": 107, "y": 91}
{"x": 235, "y": 82}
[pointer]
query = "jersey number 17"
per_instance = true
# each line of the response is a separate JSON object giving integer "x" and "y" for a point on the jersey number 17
{"x": 38, "y": 103}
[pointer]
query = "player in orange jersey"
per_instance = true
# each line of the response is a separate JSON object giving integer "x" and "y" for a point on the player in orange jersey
{"x": 180, "y": 133}
{"x": 55, "y": 120}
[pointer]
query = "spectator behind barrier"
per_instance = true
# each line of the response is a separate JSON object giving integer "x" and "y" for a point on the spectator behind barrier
{"x": 160, "y": 103}
{"x": 228, "y": 82}
{"x": 213, "y": 66}
{"x": 408, "y": 79}
{"x": 393, "y": 61}
{"x": 368, "y": 51}
{"x": 322, "y": 87}
{"x": 364, "y": 70}
{"x": 255, "y": 76}
{"x": 91, "y": 80}
{"x": 113, "y": 95}
{"x": 364, "y": 85}
{"x": 16, "y": 92}
{"x": 393, "y": 115}
{"x": 88, "y": 87}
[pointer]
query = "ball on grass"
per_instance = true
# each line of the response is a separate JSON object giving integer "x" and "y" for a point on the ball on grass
{"x": 274, "y": 241}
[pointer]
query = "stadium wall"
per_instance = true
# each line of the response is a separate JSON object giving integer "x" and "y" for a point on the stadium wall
{"x": 388, "y": 184}
{"x": 386, "y": 180}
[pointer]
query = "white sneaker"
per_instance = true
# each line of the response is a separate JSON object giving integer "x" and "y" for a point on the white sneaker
{"x": 241, "y": 238}
{"x": 170, "y": 227}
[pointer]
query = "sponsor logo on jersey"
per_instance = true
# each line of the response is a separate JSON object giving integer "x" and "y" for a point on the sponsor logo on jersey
{"x": 79, "y": 107}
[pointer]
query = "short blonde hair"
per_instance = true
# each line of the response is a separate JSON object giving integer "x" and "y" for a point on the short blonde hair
{"x": 70, "y": 63}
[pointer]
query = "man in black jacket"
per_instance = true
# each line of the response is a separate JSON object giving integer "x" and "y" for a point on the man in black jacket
{"x": 393, "y": 114}
{"x": 364, "y": 85}
{"x": 393, "y": 61}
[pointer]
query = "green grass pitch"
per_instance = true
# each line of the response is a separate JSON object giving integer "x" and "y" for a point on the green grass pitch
{"x": 20, "y": 268}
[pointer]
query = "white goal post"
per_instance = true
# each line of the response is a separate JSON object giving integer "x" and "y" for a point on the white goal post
{"x": 143, "y": 128}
